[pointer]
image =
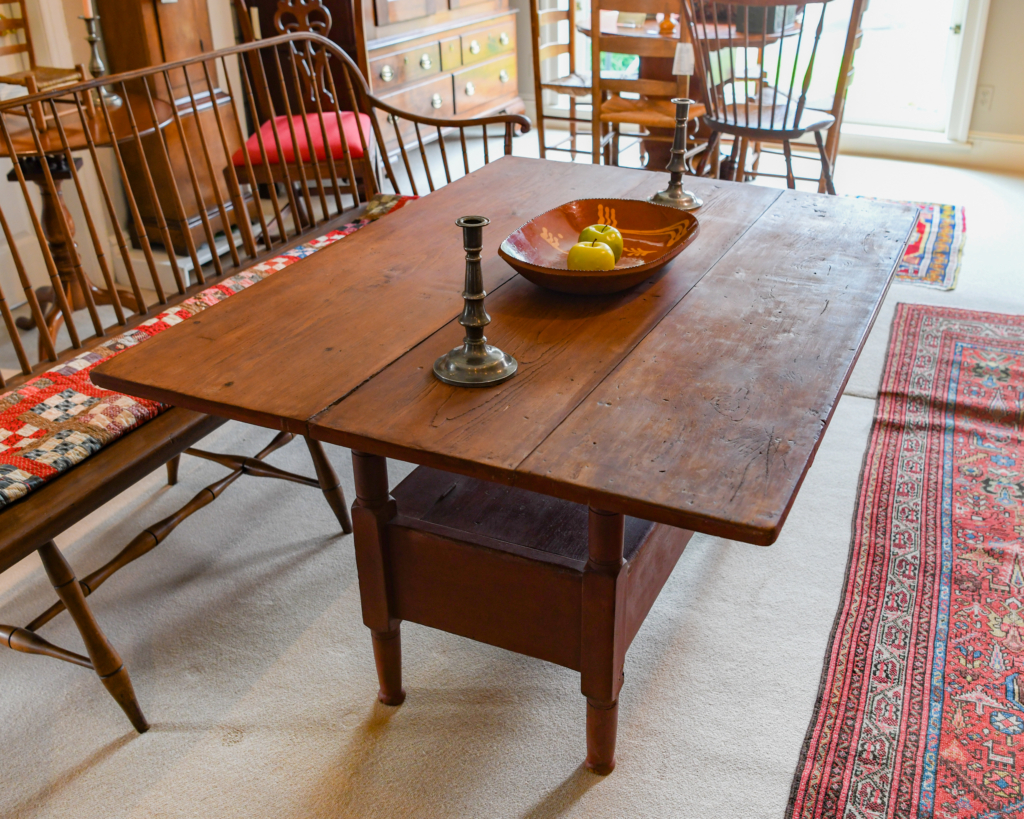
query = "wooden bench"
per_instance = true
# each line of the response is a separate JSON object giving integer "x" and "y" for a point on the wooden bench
{"x": 86, "y": 445}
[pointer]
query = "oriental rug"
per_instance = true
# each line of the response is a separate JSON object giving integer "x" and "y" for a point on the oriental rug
{"x": 932, "y": 257}
{"x": 920, "y": 712}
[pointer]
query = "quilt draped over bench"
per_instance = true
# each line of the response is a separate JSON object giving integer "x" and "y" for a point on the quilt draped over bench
{"x": 58, "y": 418}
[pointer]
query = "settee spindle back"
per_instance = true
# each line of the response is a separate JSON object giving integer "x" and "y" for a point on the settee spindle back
{"x": 77, "y": 214}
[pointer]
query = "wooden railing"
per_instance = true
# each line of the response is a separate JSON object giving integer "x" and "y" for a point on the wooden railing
{"x": 116, "y": 165}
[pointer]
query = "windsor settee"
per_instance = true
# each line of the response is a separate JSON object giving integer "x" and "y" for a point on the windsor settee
{"x": 67, "y": 446}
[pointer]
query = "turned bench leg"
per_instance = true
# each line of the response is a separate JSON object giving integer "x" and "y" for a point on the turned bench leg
{"x": 603, "y": 650}
{"x": 373, "y": 508}
{"x": 172, "y": 470}
{"x": 105, "y": 659}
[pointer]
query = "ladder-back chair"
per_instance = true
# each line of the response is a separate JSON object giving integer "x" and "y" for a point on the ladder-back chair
{"x": 653, "y": 109}
{"x": 548, "y": 47}
{"x": 759, "y": 98}
{"x": 88, "y": 444}
{"x": 36, "y": 78}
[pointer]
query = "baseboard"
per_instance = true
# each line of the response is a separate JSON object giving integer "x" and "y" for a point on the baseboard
{"x": 1000, "y": 152}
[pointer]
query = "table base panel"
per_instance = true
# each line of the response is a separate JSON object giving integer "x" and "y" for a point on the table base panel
{"x": 505, "y": 566}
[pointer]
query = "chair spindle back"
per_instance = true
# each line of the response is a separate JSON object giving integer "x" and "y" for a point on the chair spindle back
{"x": 755, "y": 59}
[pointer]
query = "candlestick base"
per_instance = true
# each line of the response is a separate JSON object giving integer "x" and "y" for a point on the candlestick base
{"x": 675, "y": 197}
{"x": 475, "y": 364}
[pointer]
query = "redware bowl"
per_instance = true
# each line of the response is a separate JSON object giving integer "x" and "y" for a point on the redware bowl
{"x": 652, "y": 236}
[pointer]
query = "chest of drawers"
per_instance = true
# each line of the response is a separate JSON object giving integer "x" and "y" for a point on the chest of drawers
{"x": 434, "y": 57}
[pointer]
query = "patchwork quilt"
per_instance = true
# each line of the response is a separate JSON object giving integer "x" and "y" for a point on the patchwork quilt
{"x": 58, "y": 418}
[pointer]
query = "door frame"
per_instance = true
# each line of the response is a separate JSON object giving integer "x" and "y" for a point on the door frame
{"x": 974, "y": 20}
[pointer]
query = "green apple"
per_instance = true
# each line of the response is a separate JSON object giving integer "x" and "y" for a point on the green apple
{"x": 604, "y": 233}
{"x": 591, "y": 256}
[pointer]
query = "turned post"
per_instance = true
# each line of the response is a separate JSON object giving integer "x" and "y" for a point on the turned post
{"x": 372, "y": 510}
{"x": 603, "y": 636}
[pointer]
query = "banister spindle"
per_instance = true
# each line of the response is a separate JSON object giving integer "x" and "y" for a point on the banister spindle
{"x": 30, "y": 297}
{"x": 65, "y": 230}
{"x": 260, "y": 142}
{"x": 300, "y": 166}
{"x": 97, "y": 244}
{"x": 235, "y": 188}
{"x": 113, "y": 218}
{"x": 140, "y": 228}
{"x": 328, "y": 153}
{"x": 147, "y": 176}
{"x": 309, "y": 136}
{"x": 210, "y": 170}
{"x": 345, "y": 147}
{"x": 196, "y": 192}
{"x": 423, "y": 156}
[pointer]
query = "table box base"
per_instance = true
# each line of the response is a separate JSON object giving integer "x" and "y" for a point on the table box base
{"x": 511, "y": 568}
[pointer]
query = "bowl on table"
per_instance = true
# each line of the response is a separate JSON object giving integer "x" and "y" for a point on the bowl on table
{"x": 652, "y": 236}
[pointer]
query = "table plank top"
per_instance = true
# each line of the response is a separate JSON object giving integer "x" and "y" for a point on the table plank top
{"x": 697, "y": 399}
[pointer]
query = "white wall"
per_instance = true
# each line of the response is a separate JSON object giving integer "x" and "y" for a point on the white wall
{"x": 1002, "y": 68}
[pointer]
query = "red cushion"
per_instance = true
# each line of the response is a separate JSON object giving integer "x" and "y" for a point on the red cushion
{"x": 330, "y": 125}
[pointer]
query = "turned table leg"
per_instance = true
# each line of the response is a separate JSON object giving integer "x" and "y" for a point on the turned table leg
{"x": 603, "y": 636}
{"x": 372, "y": 509}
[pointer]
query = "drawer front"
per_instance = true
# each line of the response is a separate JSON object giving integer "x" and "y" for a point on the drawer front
{"x": 487, "y": 43}
{"x": 404, "y": 67}
{"x": 429, "y": 99}
{"x": 395, "y": 11}
{"x": 451, "y": 53}
{"x": 475, "y": 87}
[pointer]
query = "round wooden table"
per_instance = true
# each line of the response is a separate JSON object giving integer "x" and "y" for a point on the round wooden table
{"x": 43, "y": 157}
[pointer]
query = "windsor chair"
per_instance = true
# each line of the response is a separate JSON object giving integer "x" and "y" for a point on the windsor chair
{"x": 765, "y": 99}
{"x": 36, "y": 78}
{"x": 66, "y": 446}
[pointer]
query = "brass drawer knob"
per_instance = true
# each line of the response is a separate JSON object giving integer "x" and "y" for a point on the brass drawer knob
{"x": 436, "y": 101}
{"x": 387, "y": 73}
{"x": 503, "y": 38}
{"x": 425, "y": 62}
{"x": 503, "y": 75}
{"x": 470, "y": 89}
{"x": 474, "y": 47}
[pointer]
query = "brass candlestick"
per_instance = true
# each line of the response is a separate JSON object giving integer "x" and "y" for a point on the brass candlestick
{"x": 674, "y": 196}
{"x": 96, "y": 65}
{"x": 476, "y": 363}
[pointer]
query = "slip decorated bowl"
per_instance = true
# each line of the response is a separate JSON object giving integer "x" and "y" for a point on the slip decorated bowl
{"x": 652, "y": 235}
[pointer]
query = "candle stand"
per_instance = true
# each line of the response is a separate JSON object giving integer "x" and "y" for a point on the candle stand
{"x": 476, "y": 363}
{"x": 96, "y": 65}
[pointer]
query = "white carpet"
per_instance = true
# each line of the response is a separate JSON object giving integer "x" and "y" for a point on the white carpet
{"x": 244, "y": 640}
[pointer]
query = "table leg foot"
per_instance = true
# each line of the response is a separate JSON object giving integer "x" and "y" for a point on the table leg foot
{"x": 387, "y": 653}
{"x": 602, "y": 728}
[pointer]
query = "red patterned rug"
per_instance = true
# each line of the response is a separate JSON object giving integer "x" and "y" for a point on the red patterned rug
{"x": 921, "y": 706}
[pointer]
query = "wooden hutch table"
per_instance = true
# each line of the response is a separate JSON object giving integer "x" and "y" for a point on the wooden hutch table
{"x": 549, "y": 511}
